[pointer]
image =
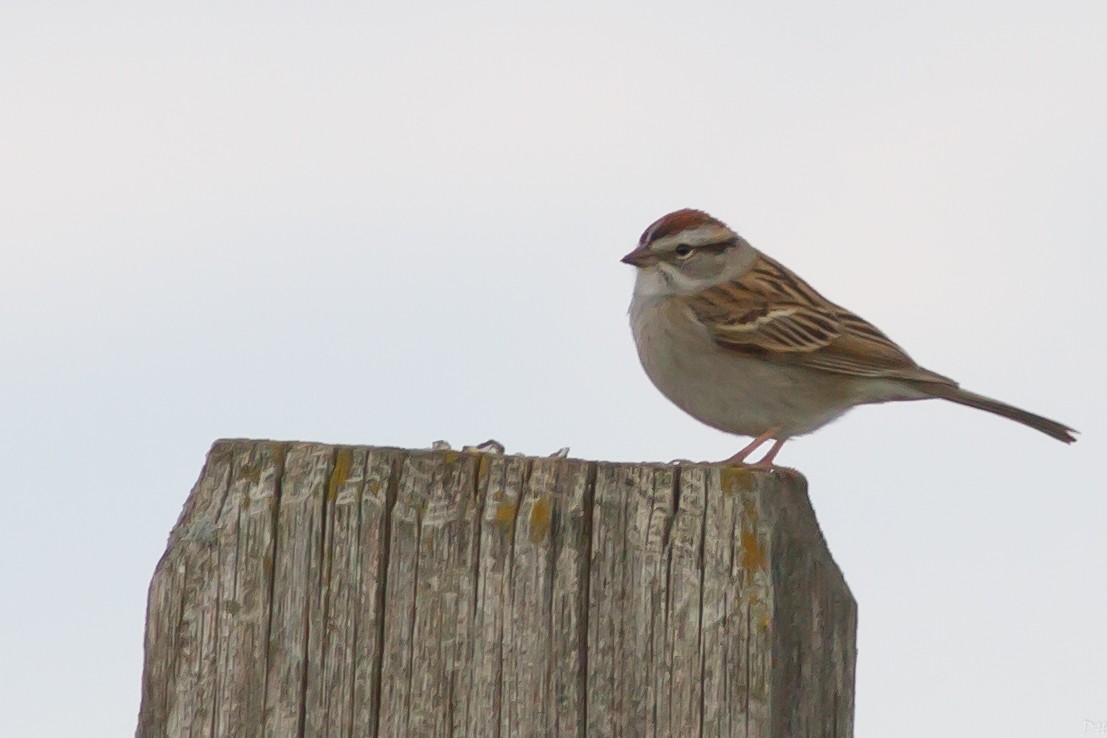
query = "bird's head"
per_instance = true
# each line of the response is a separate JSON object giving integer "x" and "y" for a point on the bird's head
{"x": 688, "y": 251}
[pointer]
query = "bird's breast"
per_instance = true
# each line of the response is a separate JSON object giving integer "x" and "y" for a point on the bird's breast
{"x": 723, "y": 388}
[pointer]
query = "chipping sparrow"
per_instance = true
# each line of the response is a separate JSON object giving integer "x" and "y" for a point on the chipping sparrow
{"x": 742, "y": 344}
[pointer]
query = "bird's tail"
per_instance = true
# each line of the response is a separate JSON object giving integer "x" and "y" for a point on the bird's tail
{"x": 954, "y": 393}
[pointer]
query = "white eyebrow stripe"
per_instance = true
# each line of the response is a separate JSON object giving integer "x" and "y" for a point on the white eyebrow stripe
{"x": 704, "y": 235}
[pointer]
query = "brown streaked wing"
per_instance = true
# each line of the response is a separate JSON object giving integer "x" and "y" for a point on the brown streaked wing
{"x": 738, "y": 316}
{"x": 774, "y": 314}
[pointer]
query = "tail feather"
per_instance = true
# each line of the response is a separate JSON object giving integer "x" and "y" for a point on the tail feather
{"x": 1060, "y": 431}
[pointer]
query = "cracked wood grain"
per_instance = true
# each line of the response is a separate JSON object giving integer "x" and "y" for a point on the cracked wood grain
{"x": 314, "y": 590}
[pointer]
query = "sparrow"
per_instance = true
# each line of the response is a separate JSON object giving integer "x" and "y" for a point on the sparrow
{"x": 739, "y": 342}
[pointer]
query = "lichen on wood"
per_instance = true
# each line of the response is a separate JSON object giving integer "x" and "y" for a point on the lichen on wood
{"x": 319, "y": 590}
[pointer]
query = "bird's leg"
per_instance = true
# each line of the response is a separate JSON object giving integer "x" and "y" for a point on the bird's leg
{"x": 741, "y": 456}
{"x": 767, "y": 461}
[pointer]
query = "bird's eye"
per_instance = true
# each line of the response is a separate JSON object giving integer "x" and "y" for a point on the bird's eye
{"x": 683, "y": 250}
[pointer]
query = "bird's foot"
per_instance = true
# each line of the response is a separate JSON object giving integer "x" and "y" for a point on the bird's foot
{"x": 766, "y": 462}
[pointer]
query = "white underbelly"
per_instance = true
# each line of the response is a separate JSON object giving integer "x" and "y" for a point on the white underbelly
{"x": 729, "y": 391}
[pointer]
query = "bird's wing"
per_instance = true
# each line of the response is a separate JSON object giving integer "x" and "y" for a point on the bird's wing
{"x": 772, "y": 313}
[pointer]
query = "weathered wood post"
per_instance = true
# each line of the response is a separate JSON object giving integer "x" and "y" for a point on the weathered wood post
{"x": 312, "y": 590}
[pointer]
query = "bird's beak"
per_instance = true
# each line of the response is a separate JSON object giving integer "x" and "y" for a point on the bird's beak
{"x": 640, "y": 257}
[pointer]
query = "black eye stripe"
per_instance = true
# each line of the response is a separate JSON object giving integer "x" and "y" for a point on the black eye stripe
{"x": 713, "y": 248}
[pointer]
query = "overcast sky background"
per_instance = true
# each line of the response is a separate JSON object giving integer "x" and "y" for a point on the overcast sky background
{"x": 394, "y": 223}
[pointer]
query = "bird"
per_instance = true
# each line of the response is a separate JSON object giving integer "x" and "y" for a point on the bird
{"x": 741, "y": 343}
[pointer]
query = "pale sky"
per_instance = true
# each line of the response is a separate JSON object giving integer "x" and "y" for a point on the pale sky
{"x": 395, "y": 223}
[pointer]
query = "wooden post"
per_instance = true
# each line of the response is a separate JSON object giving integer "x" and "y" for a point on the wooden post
{"x": 313, "y": 590}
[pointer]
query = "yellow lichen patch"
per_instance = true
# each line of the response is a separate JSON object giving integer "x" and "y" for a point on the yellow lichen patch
{"x": 342, "y": 462}
{"x": 279, "y": 451}
{"x": 451, "y": 457}
{"x": 250, "y": 472}
{"x": 541, "y": 514}
{"x": 505, "y": 517}
{"x": 734, "y": 480}
{"x": 753, "y": 555}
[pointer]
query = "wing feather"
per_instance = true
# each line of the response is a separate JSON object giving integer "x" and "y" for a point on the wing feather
{"x": 772, "y": 313}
